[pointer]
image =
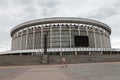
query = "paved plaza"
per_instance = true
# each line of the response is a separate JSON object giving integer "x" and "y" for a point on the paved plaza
{"x": 83, "y": 71}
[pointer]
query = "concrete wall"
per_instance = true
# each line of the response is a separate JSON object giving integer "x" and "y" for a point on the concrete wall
{"x": 85, "y": 58}
{"x": 56, "y": 59}
{"x": 20, "y": 60}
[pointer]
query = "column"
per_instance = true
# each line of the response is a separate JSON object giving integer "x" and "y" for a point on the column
{"x": 94, "y": 36}
{"x": 87, "y": 30}
{"x": 87, "y": 34}
{"x": 79, "y": 30}
{"x": 21, "y": 40}
{"x": 104, "y": 39}
{"x": 60, "y": 37}
{"x": 41, "y": 38}
{"x": 27, "y": 38}
{"x": 89, "y": 53}
{"x": 100, "y": 38}
{"x": 109, "y": 42}
{"x": 75, "y": 53}
{"x": 12, "y": 44}
{"x": 33, "y": 37}
{"x": 50, "y": 36}
{"x": 70, "y": 34}
{"x": 17, "y": 40}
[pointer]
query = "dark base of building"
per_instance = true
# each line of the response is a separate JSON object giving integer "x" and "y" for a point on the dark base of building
{"x": 10, "y": 60}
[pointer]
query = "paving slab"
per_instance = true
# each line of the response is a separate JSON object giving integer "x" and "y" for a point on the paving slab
{"x": 83, "y": 71}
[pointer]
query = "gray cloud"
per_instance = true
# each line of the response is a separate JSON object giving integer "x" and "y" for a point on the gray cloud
{"x": 104, "y": 11}
{"x": 4, "y": 4}
{"x": 49, "y": 8}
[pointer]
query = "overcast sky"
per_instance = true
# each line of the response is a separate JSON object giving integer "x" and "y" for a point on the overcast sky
{"x": 14, "y": 12}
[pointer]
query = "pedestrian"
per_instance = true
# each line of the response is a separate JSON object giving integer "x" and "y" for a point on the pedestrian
{"x": 64, "y": 62}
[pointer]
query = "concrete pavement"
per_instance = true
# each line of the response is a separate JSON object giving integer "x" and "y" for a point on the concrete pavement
{"x": 85, "y": 71}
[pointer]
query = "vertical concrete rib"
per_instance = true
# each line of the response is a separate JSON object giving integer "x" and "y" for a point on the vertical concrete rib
{"x": 60, "y": 37}
{"x": 106, "y": 40}
{"x": 21, "y": 35}
{"x": 60, "y": 34}
{"x": 94, "y": 36}
{"x": 79, "y": 29}
{"x": 100, "y": 38}
{"x": 26, "y": 38}
{"x": 109, "y": 42}
{"x": 50, "y": 36}
{"x": 104, "y": 35}
{"x": 87, "y": 30}
{"x": 33, "y": 37}
{"x": 41, "y": 38}
{"x": 17, "y": 40}
{"x": 70, "y": 34}
{"x": 12, "y": 45}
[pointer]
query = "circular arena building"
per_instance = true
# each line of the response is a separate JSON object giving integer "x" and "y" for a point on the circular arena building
{"x": 48, "y": 40}
{"x": 61, "y": 35}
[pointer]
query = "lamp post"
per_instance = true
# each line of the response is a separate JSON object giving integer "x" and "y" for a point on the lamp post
{"x": 45, "y": 43}
{"x": 45, "y": 56}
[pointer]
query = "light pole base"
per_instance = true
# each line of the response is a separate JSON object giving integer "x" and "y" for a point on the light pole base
{"x": 45, "y": 59}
